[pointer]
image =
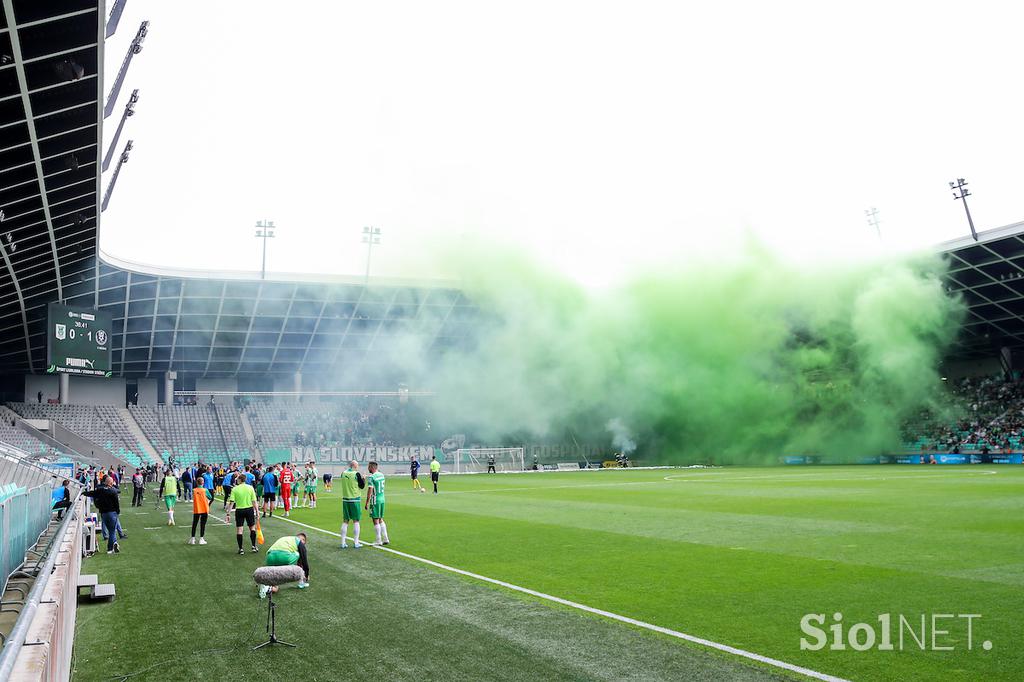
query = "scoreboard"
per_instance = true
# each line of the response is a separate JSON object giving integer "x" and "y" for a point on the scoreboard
{"x": 78, "y": 341}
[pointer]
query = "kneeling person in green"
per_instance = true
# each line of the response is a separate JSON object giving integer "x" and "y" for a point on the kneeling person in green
{"x": 351, "y": 482}
{"x": 288, "y": 551}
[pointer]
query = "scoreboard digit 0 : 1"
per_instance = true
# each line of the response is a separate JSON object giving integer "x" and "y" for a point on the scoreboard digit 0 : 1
{"x": 78, "y": 341}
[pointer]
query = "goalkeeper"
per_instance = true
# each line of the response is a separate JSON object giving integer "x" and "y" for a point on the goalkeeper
{"x": 288, "y": 551}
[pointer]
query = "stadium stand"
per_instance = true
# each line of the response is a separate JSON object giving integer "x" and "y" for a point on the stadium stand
{"x": 187, "y": 433}
{"x": 354, "y": 421}
{"x": 12, "y": 435}
{"x": 100, "y": 424}
{"x": 986, "y": 413}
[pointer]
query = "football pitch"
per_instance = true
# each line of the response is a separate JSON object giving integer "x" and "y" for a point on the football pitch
{"x": 736, "y": 557}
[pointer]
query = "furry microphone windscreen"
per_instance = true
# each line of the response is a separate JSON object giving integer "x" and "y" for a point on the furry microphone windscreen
{"x": 277, "y": 575}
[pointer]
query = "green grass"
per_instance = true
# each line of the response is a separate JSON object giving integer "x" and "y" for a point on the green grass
{"x": 737, "y": 556}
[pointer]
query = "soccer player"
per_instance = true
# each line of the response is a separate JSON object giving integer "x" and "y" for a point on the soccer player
{"x": 311, "y": 481}
{"x": 201, "y": 499}
{"x": 375, "y": 503}
{"x": 414, "y": 471}
{"x": 490, "y": 464}
{"x": 243, "y": 501}
{"x": 269, "y": 491}
{"x": 287, "y": 479}
{"x": 288, "y": 551}
{"x": 258, "y": 472}
{"x": 327, "y": 481}
{"x": 297, "y": 487}
{"x": 227, "y": 484}
{"x": 351, "y": 482}
{"x": 435, "y": 471}
{"x": 169, "y": 490}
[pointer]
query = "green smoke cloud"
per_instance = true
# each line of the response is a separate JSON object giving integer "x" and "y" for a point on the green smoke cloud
{"x": 737, "y": 360}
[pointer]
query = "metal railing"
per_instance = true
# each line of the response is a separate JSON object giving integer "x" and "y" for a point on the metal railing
{"x": 57, "y": 649}
{"x": 17, "y": 466}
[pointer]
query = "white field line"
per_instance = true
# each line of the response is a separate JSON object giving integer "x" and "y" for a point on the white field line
{"x": 548, "y": 487}
{"x": 706, "y": 478}
{"x": 599, "y": 612}
{"x": 823, "y": 479}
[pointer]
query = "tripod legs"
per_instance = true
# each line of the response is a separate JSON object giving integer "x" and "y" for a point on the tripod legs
{"x": 272, "y": 625}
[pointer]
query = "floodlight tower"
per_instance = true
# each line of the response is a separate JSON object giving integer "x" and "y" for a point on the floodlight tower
{"x": 264, "y": 231}
{"x": 872, "y": 215}
{"x": 371, "y": 236}
{"x": 960, "y": 192}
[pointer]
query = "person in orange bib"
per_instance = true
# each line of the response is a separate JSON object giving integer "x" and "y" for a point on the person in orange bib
{"x": 201, "y": 499}
{"x": 287, "y": 480}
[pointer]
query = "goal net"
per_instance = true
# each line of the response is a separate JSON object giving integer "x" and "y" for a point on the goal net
{"x": 477, "y": 460}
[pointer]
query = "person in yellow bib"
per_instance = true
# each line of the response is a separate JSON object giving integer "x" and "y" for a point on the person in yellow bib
{"x": 351, "y": 483}
{"x": 288, "y": 551}
{"x": 435, "y": 471}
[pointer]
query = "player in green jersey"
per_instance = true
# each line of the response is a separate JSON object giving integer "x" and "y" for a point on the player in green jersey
{"x": 375, "y": 503}
{"x": 169, "y": 490}
{"x": 351, "y": 482}
{"x": 309, "y": 477}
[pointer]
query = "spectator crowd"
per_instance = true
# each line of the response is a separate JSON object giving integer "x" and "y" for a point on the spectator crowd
{"x": 986, "y": 414}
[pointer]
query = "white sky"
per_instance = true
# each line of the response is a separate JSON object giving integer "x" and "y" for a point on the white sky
{"x": 600, "y": 135}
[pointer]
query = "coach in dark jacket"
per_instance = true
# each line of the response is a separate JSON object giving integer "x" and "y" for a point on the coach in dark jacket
{"x": 108, "y": 504}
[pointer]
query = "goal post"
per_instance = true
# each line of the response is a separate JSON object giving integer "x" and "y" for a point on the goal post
{"x": 475, "y": 460}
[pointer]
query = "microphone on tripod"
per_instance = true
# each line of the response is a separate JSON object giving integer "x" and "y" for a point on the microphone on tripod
{"x": 272, "y": 577}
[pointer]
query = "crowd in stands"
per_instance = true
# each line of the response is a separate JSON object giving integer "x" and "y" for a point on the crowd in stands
{"x": 986, "y": 415}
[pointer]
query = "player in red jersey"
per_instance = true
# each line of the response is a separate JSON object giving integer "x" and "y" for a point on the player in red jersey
{"x": 287, "y": 480}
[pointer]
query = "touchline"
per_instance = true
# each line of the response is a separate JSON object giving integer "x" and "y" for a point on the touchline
{"x": 925, "y": 632}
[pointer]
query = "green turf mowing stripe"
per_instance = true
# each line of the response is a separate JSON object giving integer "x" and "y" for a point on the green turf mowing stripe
{"x": 183, "y": 613}
{"x": 605, "y": 614}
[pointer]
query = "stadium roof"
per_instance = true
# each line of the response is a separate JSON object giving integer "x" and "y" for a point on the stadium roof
{"x": 50, "y": 118}
{"x": 989, "y": 274}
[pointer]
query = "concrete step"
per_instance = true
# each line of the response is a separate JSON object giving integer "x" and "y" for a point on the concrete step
{"x": 140, "y": 435}
{"x": 103, "y": 591}
{"x": 88, "y": 580}
{"x": 250, "y": 435}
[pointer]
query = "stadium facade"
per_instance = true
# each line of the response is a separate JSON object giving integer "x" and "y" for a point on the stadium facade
{"x": 174, "y": 329}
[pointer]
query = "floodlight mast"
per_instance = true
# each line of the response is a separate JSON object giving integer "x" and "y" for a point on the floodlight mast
{"x": 117, "y": 172}
{"x": 264, "y": 231}
{"x": 371, "y": 236}
{"x": 960, "y": 192}
{"x": 873, "y": 221}
{"x": 129, "y": 110}
{"x": 133, "y": 49}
